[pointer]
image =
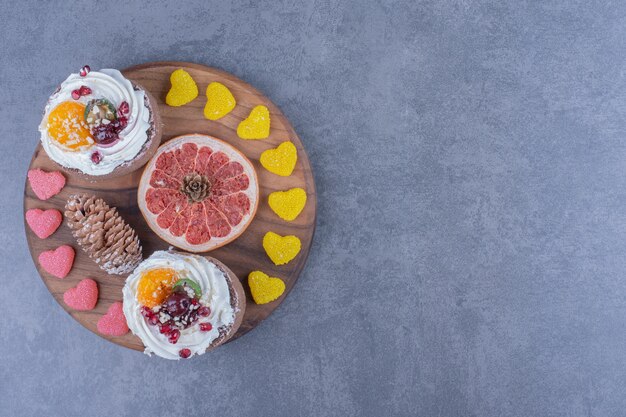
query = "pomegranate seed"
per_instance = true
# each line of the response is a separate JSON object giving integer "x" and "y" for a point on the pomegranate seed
{"x": 146, "y": 311}
{"x": 75, "y": 94}
{"x": 123, "y": 108}
{"x": 165, "y": 329}
{"x": 85, "y": 70}
{"x": 206, "y": 327}
{"x": 96, "y": 157}
{"x": 122, "y": 122}
{"x": 153, "y": 320}
{"x": 174, "y": 335}
{"x": 84, "y": 90}
{"x": 184, "y": 353}
{"x": 204, "y": 311}
{"x": 194, "y": 301}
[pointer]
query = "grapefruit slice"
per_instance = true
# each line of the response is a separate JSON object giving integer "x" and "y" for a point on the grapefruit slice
{"x": 198, "y": 193}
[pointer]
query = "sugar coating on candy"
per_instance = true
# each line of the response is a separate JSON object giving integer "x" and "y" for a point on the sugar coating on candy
{"x": 219, "y": 101}
{"x": 281, "y": 249}
{"x": 183, "y": 90}
{"x": 45, "y": 184}
{"x": 43, "y": 223}
{"x": 113, "y": 323}
{"x": 256, "y": 125}
{"x": 287, "y": 204}
{"x": 264, "y": 288}
{"x": 83, "y": 297}
{"x": 57, "y": 262}
{"x": 281, "y": 160}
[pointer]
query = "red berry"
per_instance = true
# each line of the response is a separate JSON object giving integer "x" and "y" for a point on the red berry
{"x": 177, "y": 304}
{"x": 206, "y": 327}
{"x": 173, "y": 336}
{"x": 85, "y": 70}
{"x": 165, "y": 329}
{"x": 104, "y": 134}
{"x": 75, "y": 94}
{"x": 184, "y": 353}
{"x": 84, "y": 90}
{"x": 96, "y": 157}
{"x": 123, "y": 108}
{"x": 204, "y": 311}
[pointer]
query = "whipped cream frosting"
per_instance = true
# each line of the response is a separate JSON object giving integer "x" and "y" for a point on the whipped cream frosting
{"x": 215, "y": 294}
{"x": 109, "y": 84}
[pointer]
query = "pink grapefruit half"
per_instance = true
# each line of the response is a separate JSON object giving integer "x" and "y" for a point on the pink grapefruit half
{"x": 198, "y": 193}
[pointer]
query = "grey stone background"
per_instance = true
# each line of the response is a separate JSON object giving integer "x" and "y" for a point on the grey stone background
{"x": 469, "y": 255}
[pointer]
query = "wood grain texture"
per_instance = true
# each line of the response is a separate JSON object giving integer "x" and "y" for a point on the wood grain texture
{"x": 242, "y": 255}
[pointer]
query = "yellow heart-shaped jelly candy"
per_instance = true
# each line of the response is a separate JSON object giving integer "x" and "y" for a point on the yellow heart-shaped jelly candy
{"x": 264, "y": 288}
{"x": 281, "y": 249}
{"x": 281, "y": 160}
{"x": 184, "y": 89}
{"x": 219, "y": 101}
{"x": 256, "y": 125}
{"x": 287, "y": 204}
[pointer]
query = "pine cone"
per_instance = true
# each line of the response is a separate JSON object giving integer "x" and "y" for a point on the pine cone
{"x": 103, "y": 234}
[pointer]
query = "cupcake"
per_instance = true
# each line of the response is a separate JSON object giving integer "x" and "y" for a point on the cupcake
{"x": 181, "y": 305}
{"x": 99, "y": 124}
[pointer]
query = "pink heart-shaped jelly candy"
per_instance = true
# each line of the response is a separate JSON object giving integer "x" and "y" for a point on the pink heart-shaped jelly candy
{"x": 113, "y": 323}
{"x": 45, "y": 184}
{"x": 43, "y": 223}
{"x": 57, "y": 262}
{"x": 82, "y": 297}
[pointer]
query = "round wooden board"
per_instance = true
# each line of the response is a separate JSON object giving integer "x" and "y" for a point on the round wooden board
{"x": 243, "y": 255}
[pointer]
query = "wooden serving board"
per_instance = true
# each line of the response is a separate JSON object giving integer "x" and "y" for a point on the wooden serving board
{"x": 243, "y": 255}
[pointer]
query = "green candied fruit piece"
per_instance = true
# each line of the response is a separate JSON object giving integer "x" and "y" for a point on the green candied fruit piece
{"x": 186, "y": 282}
{"x": 98, "y": 110}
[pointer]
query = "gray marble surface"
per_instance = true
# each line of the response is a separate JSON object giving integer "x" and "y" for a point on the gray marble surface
{"x": 468, "y": 261}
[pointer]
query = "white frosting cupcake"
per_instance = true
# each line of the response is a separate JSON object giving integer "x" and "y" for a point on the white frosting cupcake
{"x": 155, "y": 324}
{"x": 130, "y": 122}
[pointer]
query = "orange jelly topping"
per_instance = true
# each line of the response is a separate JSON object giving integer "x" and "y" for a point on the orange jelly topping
{"x": 155, "y": 285}
{"x": 67, "y": 126}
